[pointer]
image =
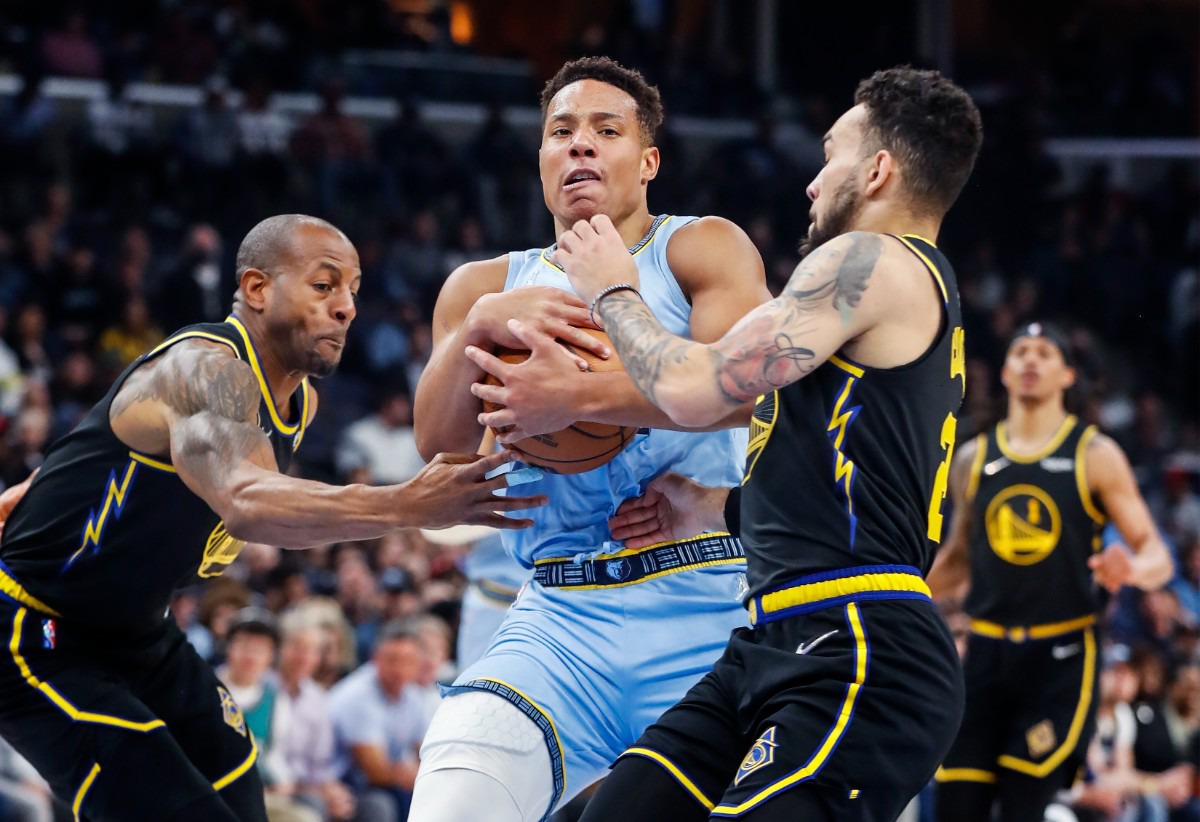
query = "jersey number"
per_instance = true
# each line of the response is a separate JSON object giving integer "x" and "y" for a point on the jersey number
{"x": 942, "y": 480}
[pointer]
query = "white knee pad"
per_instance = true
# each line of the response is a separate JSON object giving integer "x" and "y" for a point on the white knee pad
{"x": 479, "y": 733}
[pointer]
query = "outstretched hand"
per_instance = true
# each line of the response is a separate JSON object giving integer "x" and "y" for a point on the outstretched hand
{"x": 454, "y": 489}
{"x": 1112, "y": 567}
{"x": 554, "y": 312}
{"x": 673, "y": 508}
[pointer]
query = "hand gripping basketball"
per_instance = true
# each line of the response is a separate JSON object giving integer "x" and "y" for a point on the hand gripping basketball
{"x": 575, "y": 448}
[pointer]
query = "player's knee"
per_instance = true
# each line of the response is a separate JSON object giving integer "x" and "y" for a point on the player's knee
{"x": 458, "y": 795}
{"x": 479, "y": 745}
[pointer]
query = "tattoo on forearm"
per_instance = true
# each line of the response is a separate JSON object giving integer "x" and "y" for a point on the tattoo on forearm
{"x": 646, "y": 347}
{"x": 766, "y": 350}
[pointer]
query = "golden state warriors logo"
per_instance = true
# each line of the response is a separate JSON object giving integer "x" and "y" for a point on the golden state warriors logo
{"x": 220, "y": 550}
{"x": 761, "y": 424}
{"x": 230, "y": 711}
{"x": 762, "y": 753}
{"x": 1041, "y": 739}
{"x": 1023, "y": 524}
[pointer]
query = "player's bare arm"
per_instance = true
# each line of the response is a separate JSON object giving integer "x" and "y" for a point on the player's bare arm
{"x": 950, "y": 575}
{"x": 199, "y": 404}
{"x": 824, "y": 305}
{"x": 1111, "y": 482}
{"x": 473, "y": 310}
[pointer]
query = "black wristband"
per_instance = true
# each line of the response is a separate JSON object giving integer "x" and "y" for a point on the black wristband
{"x": 733, "y": 511}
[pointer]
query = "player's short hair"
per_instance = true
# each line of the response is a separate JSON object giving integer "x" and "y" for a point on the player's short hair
{"x": 607, "y": 70}
{"x": 929, "y": 124}
{"x": 271, "y": 240}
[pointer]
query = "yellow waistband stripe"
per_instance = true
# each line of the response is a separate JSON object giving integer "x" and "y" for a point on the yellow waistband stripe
{"x": 814, "y": 595}
{"x": 1020, "y": 633}
{"x": 964, "y": 775}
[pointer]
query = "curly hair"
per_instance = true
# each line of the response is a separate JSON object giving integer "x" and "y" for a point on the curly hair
{"x": 607, "y": 70}
{"x": 929, "y": 124}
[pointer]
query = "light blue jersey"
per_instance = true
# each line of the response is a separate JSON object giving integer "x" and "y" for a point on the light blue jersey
{"x": 602, "y": 640}
{"x": 576, "y": 520}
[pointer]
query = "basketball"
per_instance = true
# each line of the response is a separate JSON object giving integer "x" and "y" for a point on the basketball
{"x": 580, "y": 446}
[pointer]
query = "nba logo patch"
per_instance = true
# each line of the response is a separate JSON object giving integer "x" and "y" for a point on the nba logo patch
{"x": 762, "y": 753}
{"x": 617, "y": 569}
{"x": 49, "y": 635}
{"x": 230, "y": 711}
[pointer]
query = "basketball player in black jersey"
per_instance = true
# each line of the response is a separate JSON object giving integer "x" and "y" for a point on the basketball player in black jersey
{"x": 845, "y": 695}
{"x": 182, "y": 461}
{"x": 1030, "y": 499}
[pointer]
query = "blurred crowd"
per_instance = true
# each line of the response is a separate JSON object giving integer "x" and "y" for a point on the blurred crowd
{"x": 116, "y": 228}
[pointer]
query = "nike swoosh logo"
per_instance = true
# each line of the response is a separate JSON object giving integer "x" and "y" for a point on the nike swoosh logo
{"x": 803, "y": 649}
{"x": 1065, "y": 651}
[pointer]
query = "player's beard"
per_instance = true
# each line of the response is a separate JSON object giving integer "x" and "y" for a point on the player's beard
{"x": 320, "y": 366}
{"x": 847, "y": 202}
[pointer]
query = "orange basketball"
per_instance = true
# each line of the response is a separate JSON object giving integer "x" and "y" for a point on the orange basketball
{"x": 581, "y": 446}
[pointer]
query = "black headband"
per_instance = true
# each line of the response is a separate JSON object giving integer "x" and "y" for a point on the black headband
{"x": 1045, "y": 332}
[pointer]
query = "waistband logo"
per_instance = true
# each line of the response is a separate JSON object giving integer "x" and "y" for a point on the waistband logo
{"x": 618, "y": 570}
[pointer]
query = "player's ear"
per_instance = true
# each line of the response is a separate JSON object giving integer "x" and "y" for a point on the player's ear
{"x": 253, "y": 287}
{"x": 650, "y": 161}
{"x": 1069, "y": 375}
{"x": 881, "y": 169}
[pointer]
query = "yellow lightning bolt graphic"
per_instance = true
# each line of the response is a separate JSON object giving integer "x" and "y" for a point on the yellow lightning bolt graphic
{"x": 95, "y": 524}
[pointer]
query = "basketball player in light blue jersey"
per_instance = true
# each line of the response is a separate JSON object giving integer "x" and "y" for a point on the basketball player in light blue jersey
{"x": 602, "y": 640}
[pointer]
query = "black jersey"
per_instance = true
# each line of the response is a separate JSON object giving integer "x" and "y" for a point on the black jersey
{"x": 849, "y": 466}
{"x": 105, "y": 533}
{"x": 1034, "y": 525}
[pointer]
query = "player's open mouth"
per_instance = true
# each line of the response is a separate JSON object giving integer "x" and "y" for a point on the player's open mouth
{"x": 580, "y": 178}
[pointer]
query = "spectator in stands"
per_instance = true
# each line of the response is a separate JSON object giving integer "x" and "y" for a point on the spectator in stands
{"x": 71, "y": 51}
{"x": 252, "y": 640}
{"x": 197, "y": 289}
{"x": 133, "y": 336}
{"x": 335, "y": 147}
{"x": 380, "y": 719}
{"x": 381, "y": 449}
{"x": 303, "y": 726}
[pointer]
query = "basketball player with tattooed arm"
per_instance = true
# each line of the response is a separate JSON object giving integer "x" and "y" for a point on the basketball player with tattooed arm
{"x": 181, "y": 461}
{"x": 1030, "y": 499}
{"x": 841, "y": 700}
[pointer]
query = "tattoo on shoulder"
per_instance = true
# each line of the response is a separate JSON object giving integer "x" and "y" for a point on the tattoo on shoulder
{"x": 190, "y": 382}
{"x": 842, "y": 272}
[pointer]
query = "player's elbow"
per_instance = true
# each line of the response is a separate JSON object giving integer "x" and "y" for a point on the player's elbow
{"x": 687, "y": 406}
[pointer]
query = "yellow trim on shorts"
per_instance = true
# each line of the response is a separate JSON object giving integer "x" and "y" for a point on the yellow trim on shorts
{"x": 818, "y": 759}
{"x": 230, "y": 777}
{"x": 1036, "y": 456}
{"x": 964, "y": 775}
{"x": 1064, "y": 750}
{"x": 1020, "y": 633}
{"x": 14, "y": 590}
{"x": 1081, "y": 483}
{"x": 674, "y": 770}
{"x": 83, "y": 789}
{"x": 557, "y": 739}
{"x": 14, "y": 647}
